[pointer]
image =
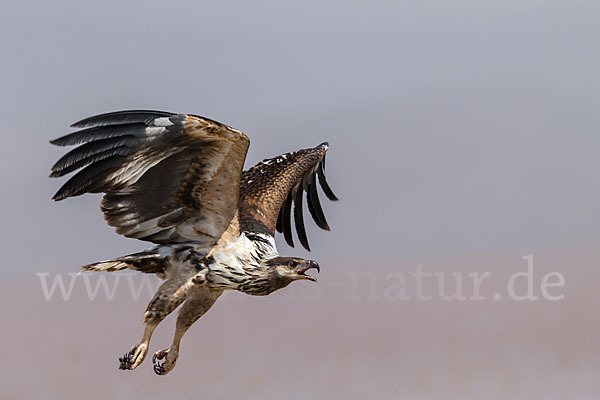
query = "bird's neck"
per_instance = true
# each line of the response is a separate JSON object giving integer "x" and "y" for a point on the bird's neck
{"x": 241, "y": 263}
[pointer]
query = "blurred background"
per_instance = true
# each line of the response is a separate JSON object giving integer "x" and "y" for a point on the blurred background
{"x": 464, "y": 137}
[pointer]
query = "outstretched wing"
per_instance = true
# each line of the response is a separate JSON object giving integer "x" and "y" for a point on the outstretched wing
{"x": 167, "y": 177}
{"x": 269, "y": 188}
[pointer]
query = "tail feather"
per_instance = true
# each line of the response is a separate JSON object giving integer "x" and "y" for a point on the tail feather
{"x": 106, "y": 266}
{"x": 150, "y": 262}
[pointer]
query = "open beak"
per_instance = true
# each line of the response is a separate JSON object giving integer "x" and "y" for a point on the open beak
{"x": 302, "y": 270}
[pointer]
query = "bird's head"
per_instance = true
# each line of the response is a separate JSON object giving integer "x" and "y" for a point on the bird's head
{"x": 290, "y": 269}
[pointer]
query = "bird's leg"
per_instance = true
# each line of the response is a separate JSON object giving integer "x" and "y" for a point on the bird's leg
{"x": 136, "y": 355}
{"x": 198, "y": 303}
{"x": 168, "y": 297}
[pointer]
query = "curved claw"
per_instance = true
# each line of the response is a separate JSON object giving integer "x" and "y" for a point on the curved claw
{"x": 133, "y": 357}
{"x": 158, "y": 369}
{"x": 125, "y": 361}
{"x": 164, "y": 367}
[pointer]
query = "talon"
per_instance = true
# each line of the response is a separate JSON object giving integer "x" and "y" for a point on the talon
{"x": 170, "y": 357}
{"x": 158, "y": 369}
{"x": 125, "y": 361}
{"x": 159, "y": 355}
{"x": 133, "y": 357}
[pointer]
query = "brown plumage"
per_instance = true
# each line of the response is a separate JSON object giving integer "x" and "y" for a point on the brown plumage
{"x": 168, "y": 178}
{"x": 269, "y": 188}
{"x": 176, "y": 180}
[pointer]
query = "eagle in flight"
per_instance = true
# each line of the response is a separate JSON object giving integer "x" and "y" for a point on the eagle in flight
{"x": 176, "y": 180}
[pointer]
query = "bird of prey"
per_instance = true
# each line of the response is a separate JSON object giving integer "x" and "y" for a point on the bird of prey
{"x": 176, "y": 180}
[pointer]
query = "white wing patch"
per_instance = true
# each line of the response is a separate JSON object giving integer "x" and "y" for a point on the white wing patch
{"x": 164, "y": 121}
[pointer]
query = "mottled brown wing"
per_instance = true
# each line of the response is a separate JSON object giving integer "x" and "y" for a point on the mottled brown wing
{"x": 269, "y": 188}
{"x": 167, "y": 178}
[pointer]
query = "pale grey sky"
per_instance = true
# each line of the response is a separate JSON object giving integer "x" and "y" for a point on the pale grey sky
{"x": 455, "y": 127}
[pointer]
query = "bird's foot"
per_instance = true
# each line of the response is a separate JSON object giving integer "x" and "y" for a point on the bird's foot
{"x": 134, "y": 357}
{"x": 170, "y": 357}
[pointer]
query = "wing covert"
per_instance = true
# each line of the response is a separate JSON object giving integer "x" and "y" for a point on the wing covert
{"x": 269, "y": 189}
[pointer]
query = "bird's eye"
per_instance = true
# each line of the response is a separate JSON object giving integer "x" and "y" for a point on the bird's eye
{"x": 293, "y": 264}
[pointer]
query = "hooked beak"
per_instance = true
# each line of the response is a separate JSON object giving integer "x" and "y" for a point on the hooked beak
{"x": 302, "y": 270}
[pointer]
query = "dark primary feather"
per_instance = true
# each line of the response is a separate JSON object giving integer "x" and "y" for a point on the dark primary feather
{"x": 269, "y": 188}
{"x": 314, "y": 205}
{"x": 286, "y": 224}
{"x": 122, "y": 117}
{"x": 92, "y": 151}
{"x": 299, "y": 219}
{"x": 158, "y": 172}
{"x": 100, "y": 132}
{"x": 324, "y": 185}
